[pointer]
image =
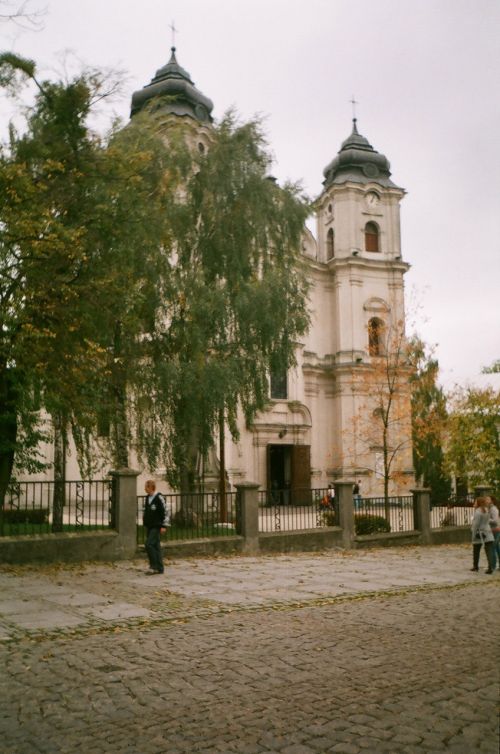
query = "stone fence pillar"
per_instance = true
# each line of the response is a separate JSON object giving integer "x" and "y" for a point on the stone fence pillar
{"x": 125, "y": 510}
{"x": 422, "y": 513}
{"x": 344, "y": 501}
{"x": 483, "y": 490}
{"x": 247, "y": 516}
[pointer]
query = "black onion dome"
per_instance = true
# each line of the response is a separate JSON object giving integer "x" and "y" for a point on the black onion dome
{"x": 175, "y": 93}
{"x": 358, "y": 161}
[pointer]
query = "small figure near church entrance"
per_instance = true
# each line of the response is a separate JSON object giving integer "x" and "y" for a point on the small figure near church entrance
{"x": 331, "y": 495}
{"x": 356, "y": 491}
{"x": 154, "y": 520}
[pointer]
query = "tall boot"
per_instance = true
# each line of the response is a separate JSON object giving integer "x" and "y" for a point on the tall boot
{"x": 476, "y": 549}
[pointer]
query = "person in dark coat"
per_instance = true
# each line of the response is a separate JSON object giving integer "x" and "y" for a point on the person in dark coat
{"x": 154, "y": 518}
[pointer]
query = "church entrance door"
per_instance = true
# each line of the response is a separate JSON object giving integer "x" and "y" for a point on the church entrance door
{"x": 289, "y": 473}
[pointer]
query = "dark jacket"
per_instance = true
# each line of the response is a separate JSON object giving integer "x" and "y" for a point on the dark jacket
{"x": 154, "y": 512}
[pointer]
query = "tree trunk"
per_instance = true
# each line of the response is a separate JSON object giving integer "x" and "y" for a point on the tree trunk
{"x": 191, "y": 502}
{"x": 387, "y": 472}
{"x": 222, "y": 470}
{"x": 60, "y": 447}
{"x": 8, "y": 433}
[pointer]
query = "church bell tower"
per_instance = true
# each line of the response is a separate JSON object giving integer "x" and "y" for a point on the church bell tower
{"x": 359, "y": 241}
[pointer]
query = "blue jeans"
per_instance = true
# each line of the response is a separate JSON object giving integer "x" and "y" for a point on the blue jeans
{"x": 496, "y": 550}
{"x": 153, "y": 549}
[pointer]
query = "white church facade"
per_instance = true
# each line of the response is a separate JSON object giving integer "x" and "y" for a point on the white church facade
{"x": 315, "y": 430}
{"x": 321, "y": 422}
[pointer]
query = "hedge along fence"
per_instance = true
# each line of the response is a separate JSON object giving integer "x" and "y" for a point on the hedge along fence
{"x": 368, "y": 524}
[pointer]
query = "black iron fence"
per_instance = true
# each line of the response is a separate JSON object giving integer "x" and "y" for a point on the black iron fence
{"x": 378, "y": 514}
{"x": 287, "y": 510}
{"x": 30, "y": 508}
{"x": 194, "y": 515}
{"x": 319, "y": 508}
{"x": 457, "y": 511}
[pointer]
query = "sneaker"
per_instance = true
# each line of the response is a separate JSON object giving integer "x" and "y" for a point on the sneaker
{"x": 151, "y": 572}
{"x": 474, "y": 569}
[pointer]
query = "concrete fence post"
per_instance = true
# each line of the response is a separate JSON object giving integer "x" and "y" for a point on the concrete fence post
{"x": 344, "y": 500}
{"x": 422, "y": 513}
{"x": 483, "y": 490}
{"x": 125, "y": 510}
{"x": 247, "y": 515}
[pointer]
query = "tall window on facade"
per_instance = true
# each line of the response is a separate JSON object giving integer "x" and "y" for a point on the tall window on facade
{"x": 330, "y": 244}
{"x": 371, "y": 237}
{"x": 376, "y": 337}
{"x": 279, "y": 384}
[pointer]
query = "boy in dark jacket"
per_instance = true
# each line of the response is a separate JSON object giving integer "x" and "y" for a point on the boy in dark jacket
{"x": 154, "y": 522}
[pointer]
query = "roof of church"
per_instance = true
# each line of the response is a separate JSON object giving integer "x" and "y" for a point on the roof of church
{"x": 175, "y": 93}
{"x": 358, "y": 161}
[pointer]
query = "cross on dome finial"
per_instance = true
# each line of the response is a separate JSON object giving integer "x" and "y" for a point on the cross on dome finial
{"x": 353, "y": 103}
{"x": 174, "y": 32}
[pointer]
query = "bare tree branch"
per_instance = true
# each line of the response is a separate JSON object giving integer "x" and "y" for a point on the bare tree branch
{"x": 21, "y": 14}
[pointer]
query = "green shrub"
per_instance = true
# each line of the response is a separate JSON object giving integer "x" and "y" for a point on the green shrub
{"x": 25, "y": 515}
{"x": 186, "y": 518}
{"x": 366, "y": 524}
{"x": 329, "y": 518}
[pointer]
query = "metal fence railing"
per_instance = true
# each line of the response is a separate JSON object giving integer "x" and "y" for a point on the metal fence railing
{"x": 30, "y": 508}
{"x": 397, "y": 511}
{"x": 194, "y": 515}
{"x": 316, "y": 509}
{"x": 295, "y": 510}
{"x": 457, "y": 511}
{"x": 44, "y": 507}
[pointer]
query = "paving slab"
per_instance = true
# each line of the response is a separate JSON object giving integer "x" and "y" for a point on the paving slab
{"x": 52, "y": 597}
{"x": 45, "y": 619}
{"x": 117, "y": 611}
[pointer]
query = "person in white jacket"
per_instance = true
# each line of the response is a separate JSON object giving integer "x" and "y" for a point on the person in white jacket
{"x": 495, "y": 530}
{"x": 481, "y": 534}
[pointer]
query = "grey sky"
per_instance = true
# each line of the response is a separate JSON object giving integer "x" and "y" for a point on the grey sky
{"x": 426, "y": 75}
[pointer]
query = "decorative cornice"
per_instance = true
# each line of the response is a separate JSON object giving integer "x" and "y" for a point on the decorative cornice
{"x": 340, "y": 263}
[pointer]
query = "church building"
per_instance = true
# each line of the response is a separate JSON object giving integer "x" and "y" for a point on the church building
{"x": 325, "y": 419}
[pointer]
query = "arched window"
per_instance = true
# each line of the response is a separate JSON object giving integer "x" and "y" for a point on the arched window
{"x": 376, "y": 329}
{"x": 371, "y": 237}
{"x": 330, "y": 244}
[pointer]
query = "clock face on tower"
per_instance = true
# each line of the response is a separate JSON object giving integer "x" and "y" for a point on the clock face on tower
{"x": 372, "y": 199}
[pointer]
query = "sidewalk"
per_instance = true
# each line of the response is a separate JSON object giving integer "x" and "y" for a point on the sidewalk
{"x": 39, "y": 600}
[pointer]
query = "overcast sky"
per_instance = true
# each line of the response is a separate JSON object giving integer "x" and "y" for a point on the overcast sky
{"x": 425, "y": 74}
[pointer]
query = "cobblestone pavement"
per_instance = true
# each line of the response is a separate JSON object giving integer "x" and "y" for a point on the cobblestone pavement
{"x": 397, "y": 669}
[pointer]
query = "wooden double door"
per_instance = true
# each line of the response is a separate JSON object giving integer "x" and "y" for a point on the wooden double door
{"x": 289, "y": 473}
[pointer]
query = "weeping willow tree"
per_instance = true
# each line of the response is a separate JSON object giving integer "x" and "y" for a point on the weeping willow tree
{"x": 141, "y": 283}
{"x": 238, "y": 304}
{"x": 81, "y": 222}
